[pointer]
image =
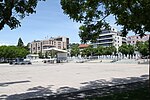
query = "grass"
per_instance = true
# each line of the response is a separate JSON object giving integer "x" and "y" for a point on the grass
{"x": 138, "y": 94}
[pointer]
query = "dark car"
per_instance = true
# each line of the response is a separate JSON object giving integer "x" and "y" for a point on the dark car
{"x": 19, "y": 61}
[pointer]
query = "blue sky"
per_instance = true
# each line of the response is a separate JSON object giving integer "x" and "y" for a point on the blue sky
{"x": 49, "y": 21}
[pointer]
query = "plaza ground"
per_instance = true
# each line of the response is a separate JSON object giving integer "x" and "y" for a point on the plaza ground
{"x": 23, "y": 81}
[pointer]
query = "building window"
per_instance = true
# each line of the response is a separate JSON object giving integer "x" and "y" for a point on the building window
{"x": 129, "y": 38}
{"x": 59, "y": 47}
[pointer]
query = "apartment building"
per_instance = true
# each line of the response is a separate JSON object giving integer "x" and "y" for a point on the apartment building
{"x": 132, "y": 40}
{"x": 110, "y": 38}
{"x": 39, "y": 45}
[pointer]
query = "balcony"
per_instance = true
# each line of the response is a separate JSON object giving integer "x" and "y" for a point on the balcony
{"x": 48, "y": 45}
{"x": 105, "y": 38}
{"x": 105, "y": 34}
{"x": 107, "y": 42}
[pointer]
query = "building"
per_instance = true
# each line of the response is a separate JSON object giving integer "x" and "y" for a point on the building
{"x": 132, "y": 40}
{"x": 110, "y": 38}
{"x": 32, "y": 56}
{"x": 39, "y": 45}
{"x": 83, "y": 46}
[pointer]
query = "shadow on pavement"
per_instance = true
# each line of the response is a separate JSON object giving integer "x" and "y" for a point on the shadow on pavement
{"x": 88, "y": 90}
{"x": 15, "y": 82}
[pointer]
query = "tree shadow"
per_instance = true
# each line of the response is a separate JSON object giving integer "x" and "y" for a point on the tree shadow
{"x": 87, "y": 90}
{"x": 15, "y": 82}
{"x": 63, "y": 90}
{"x": 34, "y": 92}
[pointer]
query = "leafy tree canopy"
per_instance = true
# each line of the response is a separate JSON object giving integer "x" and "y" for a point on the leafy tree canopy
{"x": 126, "y": 49}
{"x": 143, "y": 48}
{"x": 130, "y": 14}
{"x": 100, "y": 50}
{"x": 12, "y": 52}
{"x": 40, "y": 55}
{"x": 74, "y": 49}
{"x": 13, "y": 10}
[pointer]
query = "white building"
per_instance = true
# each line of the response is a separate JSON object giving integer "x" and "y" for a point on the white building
{"x": 110, "y": 38}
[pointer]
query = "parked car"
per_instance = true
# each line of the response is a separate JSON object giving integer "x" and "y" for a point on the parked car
{"x": 19, "y": 61}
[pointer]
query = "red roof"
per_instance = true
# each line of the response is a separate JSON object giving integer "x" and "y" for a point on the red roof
{"x": 83, "y": 45}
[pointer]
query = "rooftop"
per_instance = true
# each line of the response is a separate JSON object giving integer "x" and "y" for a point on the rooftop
{"x": 83, "y": 45}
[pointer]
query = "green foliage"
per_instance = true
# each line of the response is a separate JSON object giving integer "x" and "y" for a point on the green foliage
{"x": 110, "y": 50}
{"x": 46, "y": 54}
{"x": 88, "y": 51}
{"x": 13, "y": 10}
{"x": 41, "y": 55}
{"x": 27, "y": 47}
{"x": 126, "y": 49}
{"x": 89, "y": 13}
{"x": 130, "y": 14}
{"x": 100, "y": 50}
{"x": 74, "y": 49}
{"x": 10, "y": 52}
{"x": 143, "y": 48}
{"x": 20, "y": 43}
{"x": 2, "y": 51}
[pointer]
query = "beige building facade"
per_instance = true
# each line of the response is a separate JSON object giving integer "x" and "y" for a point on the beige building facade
{"x": 132, "y": 40}
{"x": 39, "y": 45}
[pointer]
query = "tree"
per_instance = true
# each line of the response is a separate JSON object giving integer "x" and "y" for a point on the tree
{"x": 20, "y": 43}
{"x": 41, "y": 55}
{"x": 3, "y": 51}
{"x": 12, "y": 52}
{"x": 27, "y": 47}
{"x": 88, "y": 51}
{"x": 100, "y": 50}
{"x": 13, "y": 10}
{"x": 110, "y": 50}
{"x": 126, "y": 49}
{"x": 46, "y": 54}
{"x": 87, "y": 12}
{"x": 143, "y": 48}
{"x": 75, "y": 50}
{"x": 130, "y": 14}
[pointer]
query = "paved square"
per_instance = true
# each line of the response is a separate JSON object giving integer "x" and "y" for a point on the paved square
{"x": 45, "y": 79}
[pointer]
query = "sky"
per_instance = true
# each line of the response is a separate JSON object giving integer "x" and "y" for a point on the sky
{"x": 48, "y": 21}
